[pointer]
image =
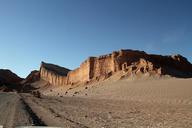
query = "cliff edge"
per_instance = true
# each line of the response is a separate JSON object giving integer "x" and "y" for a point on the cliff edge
{"x": 129, "y": 62}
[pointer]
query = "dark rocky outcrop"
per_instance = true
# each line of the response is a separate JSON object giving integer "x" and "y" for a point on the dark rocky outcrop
{"x": 9, "y": 81}
{"x": 32, "y": 77}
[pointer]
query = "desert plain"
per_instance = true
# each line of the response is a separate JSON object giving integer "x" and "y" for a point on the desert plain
{"x": 157, "y": 103}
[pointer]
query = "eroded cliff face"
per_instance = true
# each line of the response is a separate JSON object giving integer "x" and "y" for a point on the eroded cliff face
{"x": 80, "y": 74}
{"x": 54, "y": 74}
{"x": 127, "y": 61}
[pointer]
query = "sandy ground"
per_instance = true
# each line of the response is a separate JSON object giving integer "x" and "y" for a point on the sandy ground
{"x": 99, "y": 113}
{"x": 163, "y": 103}
{"x": 169, "y": 90}
{"x": 12, "y": 111}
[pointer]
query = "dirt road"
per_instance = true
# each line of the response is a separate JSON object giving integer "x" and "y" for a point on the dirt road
{"x": 12, "y": 111}
{"x": 96, "y": 113}
{"x": 169, "y": 107}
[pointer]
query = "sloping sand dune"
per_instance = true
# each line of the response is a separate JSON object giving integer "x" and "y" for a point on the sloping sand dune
{"x": 169, "y": 90}
{"x": 164, "y": 90}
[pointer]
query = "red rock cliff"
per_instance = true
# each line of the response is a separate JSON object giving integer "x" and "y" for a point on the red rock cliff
{"x": 54, "y": 74}
{"x": 129, "y": 61}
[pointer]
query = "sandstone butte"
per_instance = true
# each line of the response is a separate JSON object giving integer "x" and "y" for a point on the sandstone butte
{"x": 130, "y": 62}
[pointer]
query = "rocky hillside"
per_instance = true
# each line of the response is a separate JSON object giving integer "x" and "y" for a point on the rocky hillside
{"x": 32, "y": 77}
{"x": 9, "y": 81}
{"x": 129, "y": 62}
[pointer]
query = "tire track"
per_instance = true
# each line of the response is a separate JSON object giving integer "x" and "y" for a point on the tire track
{"x": 35, "y": 119}
{"x": 8, "y": 110}
{"x": 52, "y": 118}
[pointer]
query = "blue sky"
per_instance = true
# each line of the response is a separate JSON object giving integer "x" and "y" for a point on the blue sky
{"x": 66, "y": 32}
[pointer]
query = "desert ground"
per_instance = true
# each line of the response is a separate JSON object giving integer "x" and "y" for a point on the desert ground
{"x": 159, "y": 103}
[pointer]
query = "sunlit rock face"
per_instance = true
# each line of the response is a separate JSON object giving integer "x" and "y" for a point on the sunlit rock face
{"x": 54, "y": 74}
{"x": 128, "y": 61}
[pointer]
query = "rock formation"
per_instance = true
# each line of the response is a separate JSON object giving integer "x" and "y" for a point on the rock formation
{"x": 7, "y": 76}
{"x": 54, "y": 74}
{"x": 32, "y": 77}
{"x": 9, "y": 81}
{"x": 127, "y": 61}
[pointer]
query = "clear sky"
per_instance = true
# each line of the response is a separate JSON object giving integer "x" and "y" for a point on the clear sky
{"x": 66, "y": 32}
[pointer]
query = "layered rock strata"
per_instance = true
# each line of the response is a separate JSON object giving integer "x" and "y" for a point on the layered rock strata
{"x": 129, "y": 61}
{"x": 54, "y": 74}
